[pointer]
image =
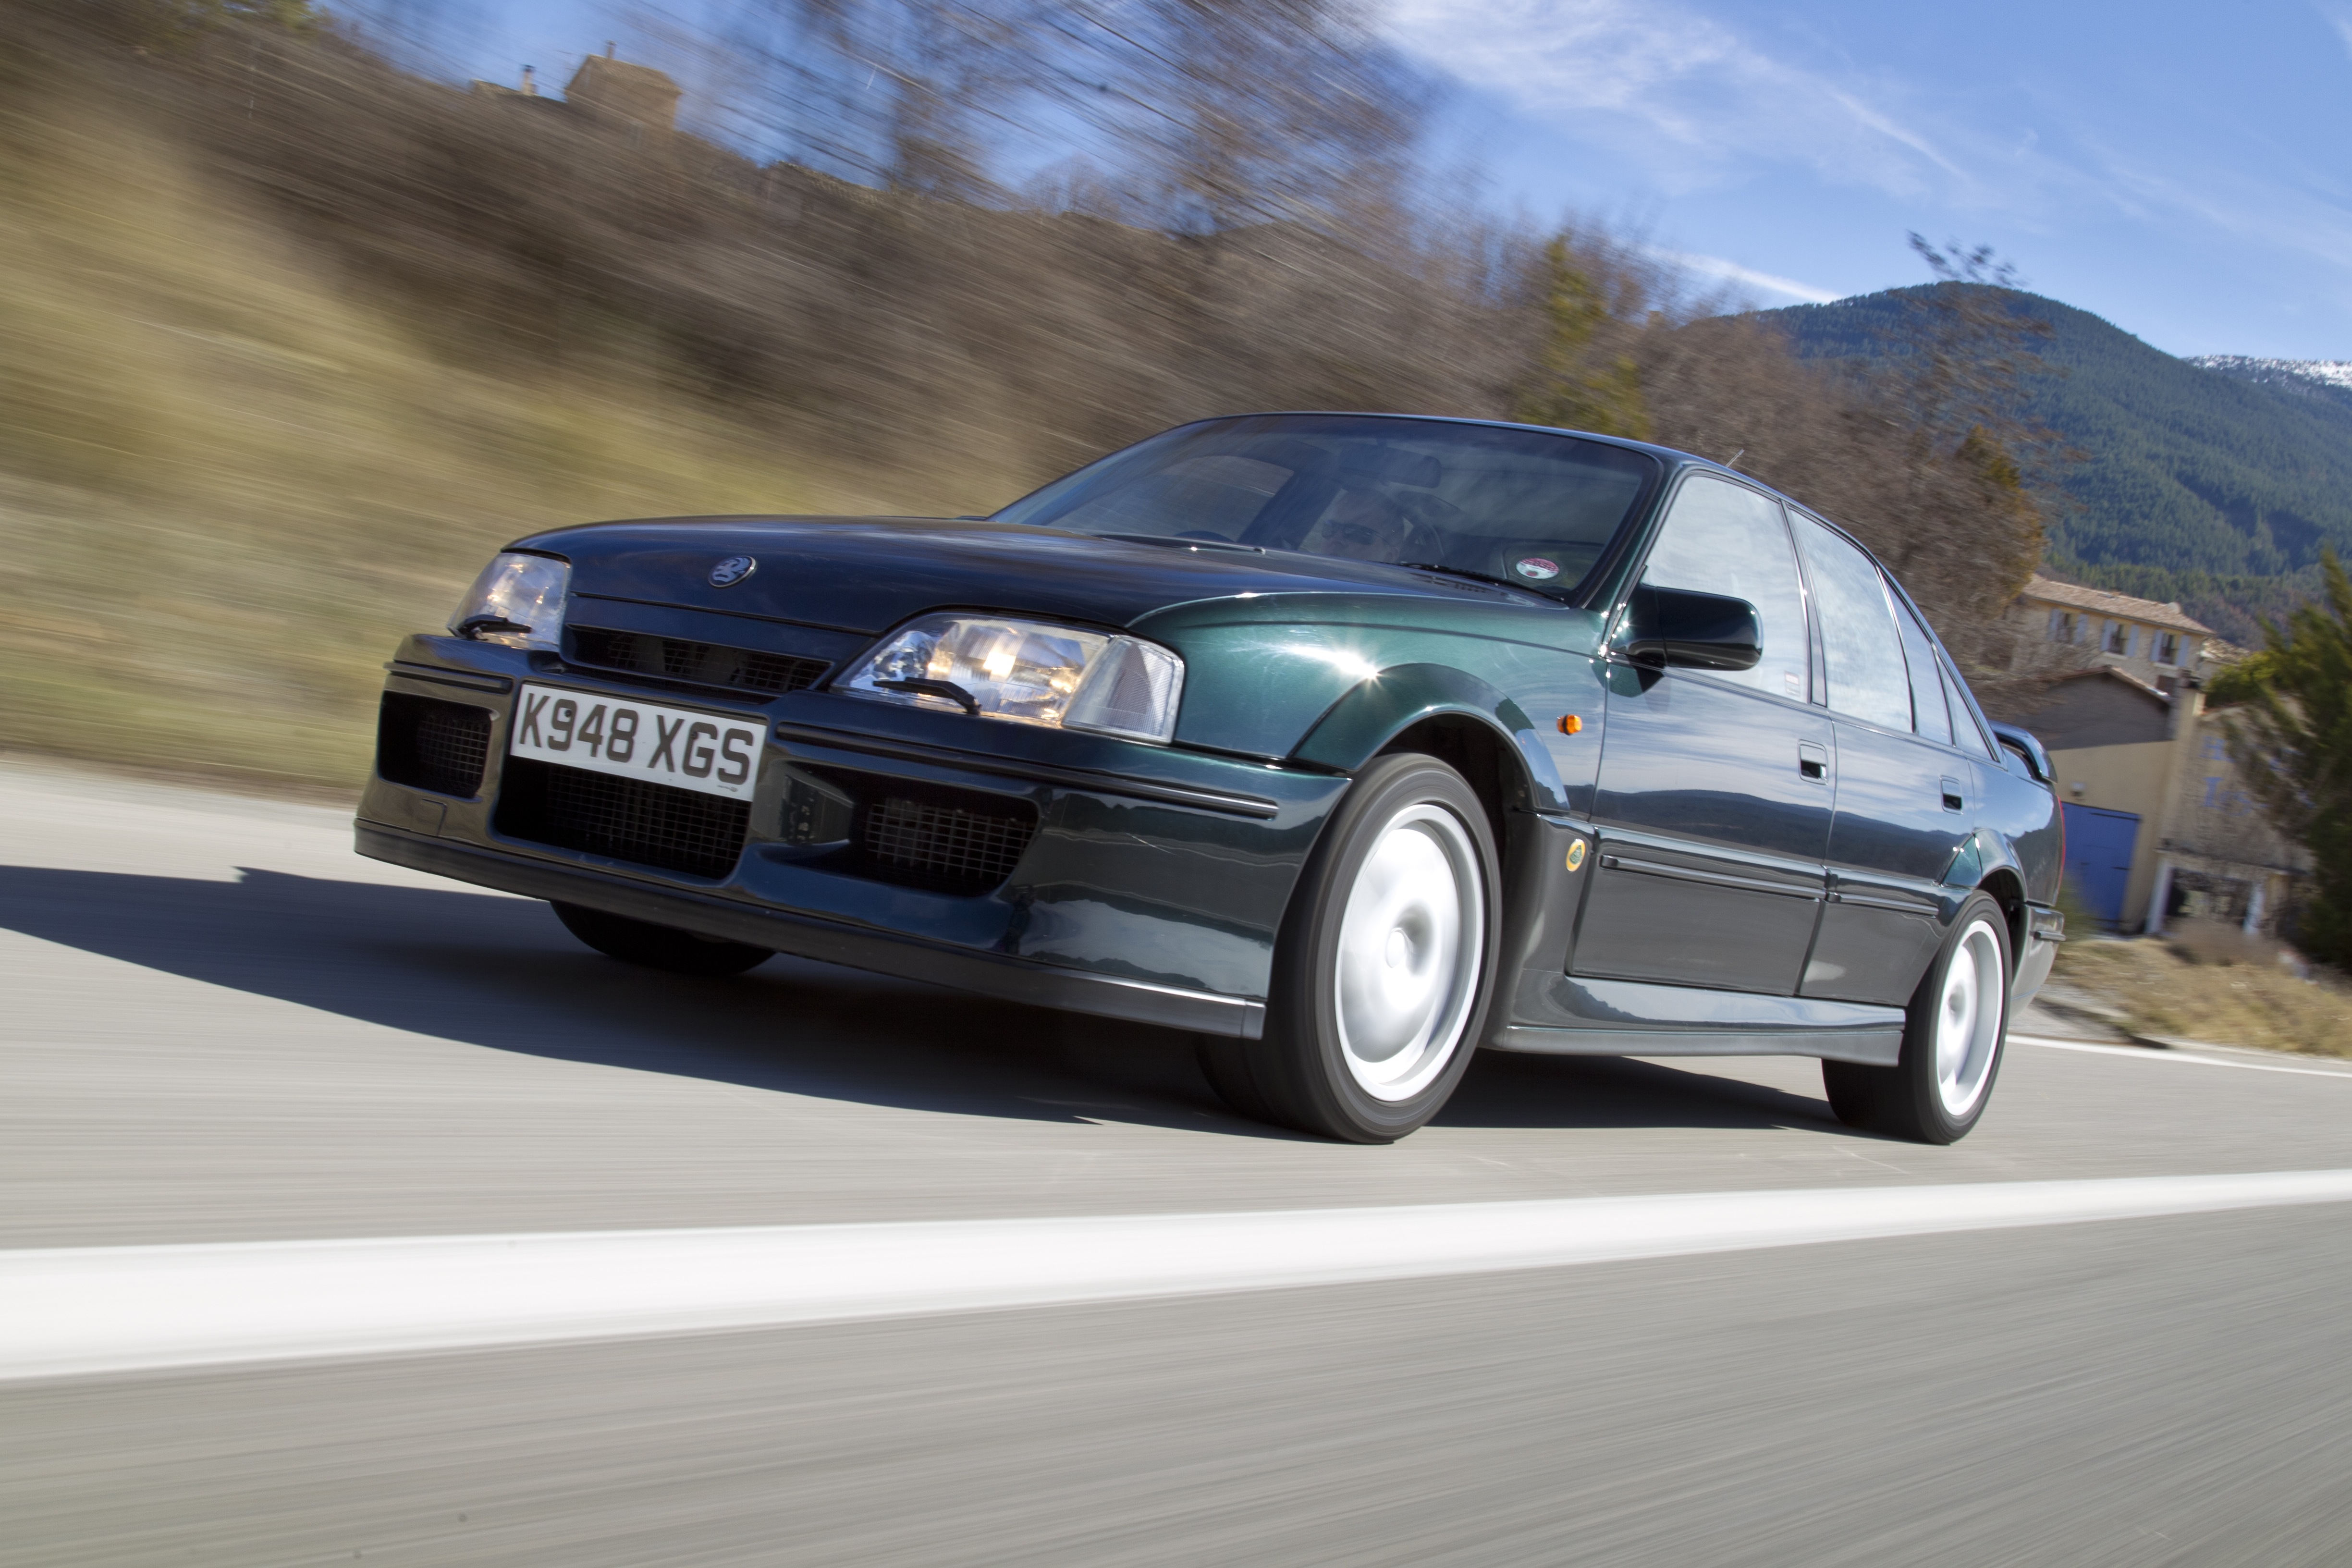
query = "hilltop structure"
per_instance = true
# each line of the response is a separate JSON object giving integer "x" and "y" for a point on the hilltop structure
{"x": 606, "y": 89}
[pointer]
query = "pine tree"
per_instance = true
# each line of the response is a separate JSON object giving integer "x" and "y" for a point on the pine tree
{"x": 2295, "y": 749}
{"x": 1571, "y": 390}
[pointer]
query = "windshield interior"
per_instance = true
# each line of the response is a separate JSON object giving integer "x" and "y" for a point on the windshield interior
{"x": 1523, "y": 507}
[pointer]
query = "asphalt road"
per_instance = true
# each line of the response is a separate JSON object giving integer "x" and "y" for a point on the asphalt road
{"x": 221, "y": 1026}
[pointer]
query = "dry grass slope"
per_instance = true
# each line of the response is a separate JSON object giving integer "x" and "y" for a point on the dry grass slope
{"x": 235, "y": 481}
{"x": 2201, "y": 991}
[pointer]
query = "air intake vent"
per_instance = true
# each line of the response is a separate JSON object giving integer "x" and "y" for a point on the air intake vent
{"x": 950, "y": 840}
{"x": 707, "y": 664}
{"x": 434, "y": 745}
{"x": 628, "y": 820}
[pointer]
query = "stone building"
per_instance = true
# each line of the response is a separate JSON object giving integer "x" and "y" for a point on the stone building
{"x": 2156, "y": 644}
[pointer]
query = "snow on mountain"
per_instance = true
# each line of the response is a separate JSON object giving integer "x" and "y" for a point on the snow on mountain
{"x": 2330, "y": 378}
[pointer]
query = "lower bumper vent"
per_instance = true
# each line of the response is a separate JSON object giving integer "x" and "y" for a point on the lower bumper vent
{"x": 596, "y": 814}
{"x": 949, "y": 840}
{"x": 428, "y": 745}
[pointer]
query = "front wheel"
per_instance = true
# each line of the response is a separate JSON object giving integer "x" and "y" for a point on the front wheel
{"x": 1385, "y": 964}
{"x": 659, "y": 946}
{"x": 1953, "y": 1036}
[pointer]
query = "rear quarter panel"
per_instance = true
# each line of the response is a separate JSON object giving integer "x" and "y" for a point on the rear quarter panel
{"x": 2019, "y": 821}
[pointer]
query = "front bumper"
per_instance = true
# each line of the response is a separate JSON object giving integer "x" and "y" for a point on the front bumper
{"x": 907, "y": 956}
{"x": 1151, "y": 889}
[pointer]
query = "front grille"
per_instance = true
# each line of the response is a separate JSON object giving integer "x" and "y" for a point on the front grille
{"x": 950, "y": 840}
{"x": 679, "y": 659}
{"x": 429, "y": 744}
{"x": 628, "y": 820}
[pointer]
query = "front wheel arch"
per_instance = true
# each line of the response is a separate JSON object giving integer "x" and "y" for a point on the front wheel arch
{"x": 1375, "y": 718}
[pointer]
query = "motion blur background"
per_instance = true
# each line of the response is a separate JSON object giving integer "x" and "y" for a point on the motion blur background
{"x": 296, "y": 329}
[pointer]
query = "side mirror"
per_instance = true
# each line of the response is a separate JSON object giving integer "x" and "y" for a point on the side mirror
{"x": 2027, "y": 745}
{"x": 1695, "y": 631}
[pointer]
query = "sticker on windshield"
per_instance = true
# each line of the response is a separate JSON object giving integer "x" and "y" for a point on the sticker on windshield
{"x": 1537, "y": 567}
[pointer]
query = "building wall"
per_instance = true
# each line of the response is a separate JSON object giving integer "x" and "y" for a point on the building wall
{"x": 2216, "y": 838}
{"x": 2197, "y": 817}
{"x": 2137, "y": 778}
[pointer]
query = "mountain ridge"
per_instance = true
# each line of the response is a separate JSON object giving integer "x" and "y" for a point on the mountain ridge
{"x": 2215, "y": 483}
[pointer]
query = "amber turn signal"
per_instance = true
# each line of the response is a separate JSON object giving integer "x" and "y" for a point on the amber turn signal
{"x": 1570, "y": 724}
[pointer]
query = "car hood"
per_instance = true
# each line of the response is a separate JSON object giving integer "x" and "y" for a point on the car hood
{"x": 867, "y": 575}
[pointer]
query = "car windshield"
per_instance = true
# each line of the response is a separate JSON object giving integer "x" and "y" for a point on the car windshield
{"x": 1524, "y": 506}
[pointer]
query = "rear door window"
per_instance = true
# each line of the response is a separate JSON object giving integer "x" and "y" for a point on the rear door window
{"x": 1965, "y": 733}
{"x": 1867, "y": 676}
{"x": 1930, "y": 715}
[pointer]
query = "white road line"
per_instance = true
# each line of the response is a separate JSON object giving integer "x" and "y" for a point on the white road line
{"x": 2156, "y": 1055}
{"x": 136, "y": 1309}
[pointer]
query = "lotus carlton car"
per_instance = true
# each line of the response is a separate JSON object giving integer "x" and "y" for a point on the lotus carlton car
{"x": 1348, "y": 744}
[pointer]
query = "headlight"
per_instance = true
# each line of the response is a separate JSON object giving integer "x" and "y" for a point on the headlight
{"x": 518, "y": 601}
{"x": 1029, "y": 671}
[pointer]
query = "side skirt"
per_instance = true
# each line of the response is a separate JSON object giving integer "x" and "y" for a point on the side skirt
{"x": 1566, "y": 1015}
{"x": 1878, "y": 1048}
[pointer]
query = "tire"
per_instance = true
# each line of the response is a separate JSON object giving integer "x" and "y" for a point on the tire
{"x": 1953, "y": 1037}
{"x": 658, "y": 946}
{"x": 1384, "y": 968}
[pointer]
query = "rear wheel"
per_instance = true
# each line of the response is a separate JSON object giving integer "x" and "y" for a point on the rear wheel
{"x": 659, "y": 946}
{"x": 1384, "y": 966}
{"x": 1952, "y": 1040}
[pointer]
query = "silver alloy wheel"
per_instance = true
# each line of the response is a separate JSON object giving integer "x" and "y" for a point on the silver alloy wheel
{"x": 1411, "y": 940}
{"x": 1969, "y": 1019}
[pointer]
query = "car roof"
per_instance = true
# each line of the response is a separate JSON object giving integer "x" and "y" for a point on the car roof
{"x": 1670, "y": 454}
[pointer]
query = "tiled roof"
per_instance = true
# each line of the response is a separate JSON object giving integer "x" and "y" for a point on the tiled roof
{"x": 2126, "y": 676}
{"x": 2118, "y": 606}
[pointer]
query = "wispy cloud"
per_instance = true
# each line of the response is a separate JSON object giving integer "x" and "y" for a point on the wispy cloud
{"x": 2342, "y": 21}
{"x": 1679, "y": 90}
{"x": 1746, "y": 277}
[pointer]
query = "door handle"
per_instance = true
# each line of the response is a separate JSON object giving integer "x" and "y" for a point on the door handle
{"x": 1953, "y": 799}
{"x": 1813, "y": 761}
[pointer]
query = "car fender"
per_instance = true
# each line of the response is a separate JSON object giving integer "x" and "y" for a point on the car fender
{"x": 1375, "y": 711}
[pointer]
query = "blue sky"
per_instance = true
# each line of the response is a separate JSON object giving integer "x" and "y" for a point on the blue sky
{"x": 2180, "y": 171}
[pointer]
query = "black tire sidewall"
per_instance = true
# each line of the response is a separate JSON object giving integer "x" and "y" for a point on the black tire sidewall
{"x": 1302, "y": 1049}
{"x": 1930, "y": 1121}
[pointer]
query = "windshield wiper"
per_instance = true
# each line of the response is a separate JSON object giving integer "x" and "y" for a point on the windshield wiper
{"x": 1186, "y": 541}
{"x": 1465, "y": 571}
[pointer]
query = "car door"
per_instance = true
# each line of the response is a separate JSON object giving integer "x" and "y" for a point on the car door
{"x": 1712, "y": 799}
{"x": 1906, "y": 795}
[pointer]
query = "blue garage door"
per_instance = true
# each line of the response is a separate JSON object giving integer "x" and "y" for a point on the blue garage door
{"x": 2098, "y": 860}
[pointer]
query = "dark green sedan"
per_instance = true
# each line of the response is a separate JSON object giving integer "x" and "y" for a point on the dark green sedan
{"x": 1349, "y": 744}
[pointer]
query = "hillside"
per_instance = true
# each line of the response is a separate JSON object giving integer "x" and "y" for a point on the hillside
{"x": 2214, "y": 484}
{"x": 290, "y": 339}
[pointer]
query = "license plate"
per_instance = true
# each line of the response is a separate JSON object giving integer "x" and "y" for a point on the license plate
{"x": 676, "y": 746}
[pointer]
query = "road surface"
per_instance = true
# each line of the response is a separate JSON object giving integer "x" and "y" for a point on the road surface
{"x": 221, "y": 1028}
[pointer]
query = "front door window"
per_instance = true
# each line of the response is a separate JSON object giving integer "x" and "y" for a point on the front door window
{"x": 1723, "y": 538}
